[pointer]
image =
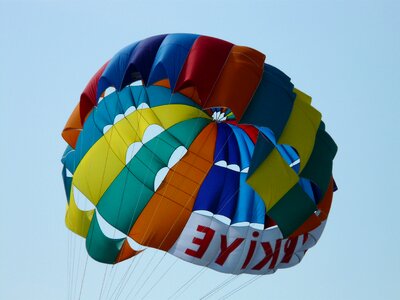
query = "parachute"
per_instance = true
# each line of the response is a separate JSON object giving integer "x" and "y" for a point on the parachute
{"x": 197, "y": 147}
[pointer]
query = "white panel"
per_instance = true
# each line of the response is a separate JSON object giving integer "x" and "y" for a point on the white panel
{"x": 176, "y": 156}
{"x": 118, "y": 118}
{"x": 106, "y": 128}
{"x": 130, "y": 110}
{"x": 81, "y": 200}
{"x": 160, "y": 176}
{"x": 132, "y": 150}
{"x": 151, "y": 132}
{"x": 108, "y": 230}
{"x": 286, "y": 252}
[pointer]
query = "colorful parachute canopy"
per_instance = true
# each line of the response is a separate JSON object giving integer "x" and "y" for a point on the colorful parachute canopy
{"x": 195, "y": 146}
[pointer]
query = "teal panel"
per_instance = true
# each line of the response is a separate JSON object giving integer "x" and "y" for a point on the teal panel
{"x": 163, "y": 146}
{"x": 126, "y": 98}
{"x": 133, "y": 188}
{"x": 159, "y": 95}
{"x": 124, "y": 200}
{"x": 185, "y": 132}
{"x": 100, "y": 247}
{"x": 145, "y": 165}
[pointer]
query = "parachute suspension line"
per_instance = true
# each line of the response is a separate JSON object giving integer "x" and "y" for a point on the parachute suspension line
{"x": 113, "y": 271}
{"x": 147, "y": 228}
{"x": 187, "y": 284}
{"x": 220, "y": 286}
{"x": 125, "y": 278}
{"x": 73, "y": 252}
{"x": 110, "y": 149}
{"x": 161, "y": 277}
{"x": 69, "y": 265}
{"x": 101, "y": 185}
{"x": 243, "y": 285}
{"x": 121, "y": 285}
{"x": 119, "y": 209}
{"x": 233, "y": 276}
{"x": 147, "y": 278}
{"x": 153, "y": 214}
{"x": 102, "y": 284}
{"x": 79, "y": 254}
{"x": 83, "y": 277}
{"x": 198, "y": 274}
{"x": 181, "y": 211}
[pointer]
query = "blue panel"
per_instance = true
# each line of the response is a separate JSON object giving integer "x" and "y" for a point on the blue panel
{"x": 171, "y": 57}
{"x": 230, "y": 193}
{"x": 67, "y": 183}
{"x": 67, "y": 158}
{"x": 286, "y": 151}
{"x": 305, "y": 184}
{"x": 210, "y": 190}
{"x": 219, "y": 191}
{"x": 226, "y": 146}
{"x": 250, "y": 207}
{"x": 259, "y": 210}
{"x": 268, "y": 133}
{"x": 115, "y": 70}
{"x": 141, "y": 60}
{"x": 246, "y": 146}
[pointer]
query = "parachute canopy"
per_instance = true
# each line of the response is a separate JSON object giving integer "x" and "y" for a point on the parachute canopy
{"x": 195, "y": 146}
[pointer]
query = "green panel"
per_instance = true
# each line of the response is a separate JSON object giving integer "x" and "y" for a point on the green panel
{"x": 133, "y": 188}
{"x": 100, "y": 247}
{"x": 292, "y": 210}
{"x": 319, "y": 166}
{"x": 124, "y": 200}
{"x": 163, "y": 146}
{"x": 145, "y": 165}
{"x": 187, "y": 131}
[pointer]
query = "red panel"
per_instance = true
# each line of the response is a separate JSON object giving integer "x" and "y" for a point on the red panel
{"x": 204, "y": 65}
{"x": 88, "y": 97}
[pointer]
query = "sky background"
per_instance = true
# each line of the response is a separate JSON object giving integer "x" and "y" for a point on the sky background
{"x": 345, "y": 54}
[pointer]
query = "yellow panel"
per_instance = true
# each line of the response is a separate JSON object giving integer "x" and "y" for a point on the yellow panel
{"x": 273, "y": 179}
{"x": 98, "y": 168}
{"x": 77, "y": 220}
{"x": 302, "y": 96}
{"x": 102, "y": 164}
{"x": 301, "y": 128}
{"x": 175, "y": 113}
{"x": 132, "y": 128}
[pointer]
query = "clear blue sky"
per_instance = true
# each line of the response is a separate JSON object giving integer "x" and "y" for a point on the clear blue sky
{"x": 346, "y": 54}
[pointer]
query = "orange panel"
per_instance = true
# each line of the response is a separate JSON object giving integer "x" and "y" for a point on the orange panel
{"x": 163, "y": 219}
{"x": 189, "y": 92}
{"x": 238, "y": 80}
{"x": 73, "y": 127}
{"x": 126, "y": 252}
{"x": 163, "y": 82}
